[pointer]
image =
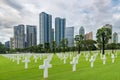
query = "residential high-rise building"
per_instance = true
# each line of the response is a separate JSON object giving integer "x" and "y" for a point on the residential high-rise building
{"x": 53, "y": 32}
{"x": 45, "y": 24}
{"x": 31, "y": 35}
{"x": 7, "y": 44}
{"x": 82, "y": 31}
{"x": 69, "y": 35}
{"x": 60, "y": 24}
{"x": 110, "y": 27}
{"x": 19, "y": 36}
{"x": 12, "y": 45}
{"x": 89, "y": 36}
{"x": 115, "y": 37}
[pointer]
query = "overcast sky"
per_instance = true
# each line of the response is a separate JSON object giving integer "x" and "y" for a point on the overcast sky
{"x": 92, "y": 14}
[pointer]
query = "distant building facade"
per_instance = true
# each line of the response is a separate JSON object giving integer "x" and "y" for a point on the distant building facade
{"x": 45, "y": 26}
{"x": 7, "y": 44}
{"x": 31, "y": 35}
{"x": 60, "y": 24}
{"x": 89, "y": 36}
{"x": 82, "y": 31}
{"x": 53, "y": 32}
{"x": 115, "y": 37}
{"x": 12, "y": 45}
{"x": 69, "y": 35}
{"x": 19, "y": 36}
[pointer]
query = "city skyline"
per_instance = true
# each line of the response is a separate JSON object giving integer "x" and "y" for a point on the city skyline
{"x": 92, "y": 15}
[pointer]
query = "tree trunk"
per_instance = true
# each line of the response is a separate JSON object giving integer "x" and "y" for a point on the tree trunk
{"x": 103, "y": 44}
{"x": 79, "y": 49}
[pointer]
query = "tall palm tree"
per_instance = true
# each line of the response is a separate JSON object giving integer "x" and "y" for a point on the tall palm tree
{"x": 47, "y": 47}
{"x": 54, "y": 46}
{"x": 79, "y": 41}
{"x": 64, "y": 44}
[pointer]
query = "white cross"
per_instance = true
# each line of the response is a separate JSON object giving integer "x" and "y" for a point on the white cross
{"x": 50, "y": 57}
{"x": 104, "y": 59}
{"x": 74, "y": 62}
{"x": 40, "y": 56}
{"x": 64, "y": 59}
{"x": 35, "y": 58}
{"x": 26, "y": 61}
{"x": 77, "y": 57}
{"x": 13, "y": 58}
{"x": 87, "y": 55}
{"x": 45, "y": 66}
{"x": 113, "y": 58}
{"x": 18, "y": 59}
{"x": 92, "y": 61}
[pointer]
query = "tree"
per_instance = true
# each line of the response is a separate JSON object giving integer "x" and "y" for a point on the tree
{"x": 3, "y": 49}
{"x": 112, "y": 46}
{"x": 47, "y": 47}
{"x": 64, "y": 44}
{"x": 79, "y": 41}
{"x": 103, "y": 35}
{"x": 54, "y": 46}
{"x": 40, "y": 48}
{"x": 90, "y": 44}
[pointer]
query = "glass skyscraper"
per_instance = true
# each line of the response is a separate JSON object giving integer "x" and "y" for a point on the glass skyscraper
{"x": 60, "y": 25}
{"x": 45, "y": 24}
{"x": 19, "y": 36}
{"x": 69, "y": 35}
{"x": 115, "y": 37}
{"x": 31, "y": 35}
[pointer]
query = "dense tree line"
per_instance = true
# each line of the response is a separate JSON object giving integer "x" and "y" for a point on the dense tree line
{"x": 3, "y": 49}
{"x": 103, "y": 35}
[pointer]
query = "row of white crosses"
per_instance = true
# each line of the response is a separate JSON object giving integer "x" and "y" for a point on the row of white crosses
{"x": 47, "y": 64}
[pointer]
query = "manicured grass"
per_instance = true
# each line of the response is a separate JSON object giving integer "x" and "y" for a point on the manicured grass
{"x": 110, "y": 71}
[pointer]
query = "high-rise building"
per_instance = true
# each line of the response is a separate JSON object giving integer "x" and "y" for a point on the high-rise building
{"x": 60, "y": 24}
{"x": 89, "y": 36}
{"x": 115, "y": 37}
{"x": 45, "y": 24}
{"x": 12, "y": 45}
{"x": 7, "y": 44}
{"x": 110, "y": 27}
{"x": 31, "y": 35}
{"x": 53, "y": 32}
{"x": 69, "y": 35}
{"x": 82, "y": 31}
{"x": 19, "y": 36}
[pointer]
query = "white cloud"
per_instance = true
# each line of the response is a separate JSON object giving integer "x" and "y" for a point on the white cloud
{"x": 91, "y": 14}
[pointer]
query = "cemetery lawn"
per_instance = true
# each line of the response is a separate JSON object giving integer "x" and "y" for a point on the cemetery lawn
{"x": 110, "y": 71}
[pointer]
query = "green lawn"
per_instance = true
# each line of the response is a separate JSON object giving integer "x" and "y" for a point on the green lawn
{"x": 11, "y": 71}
